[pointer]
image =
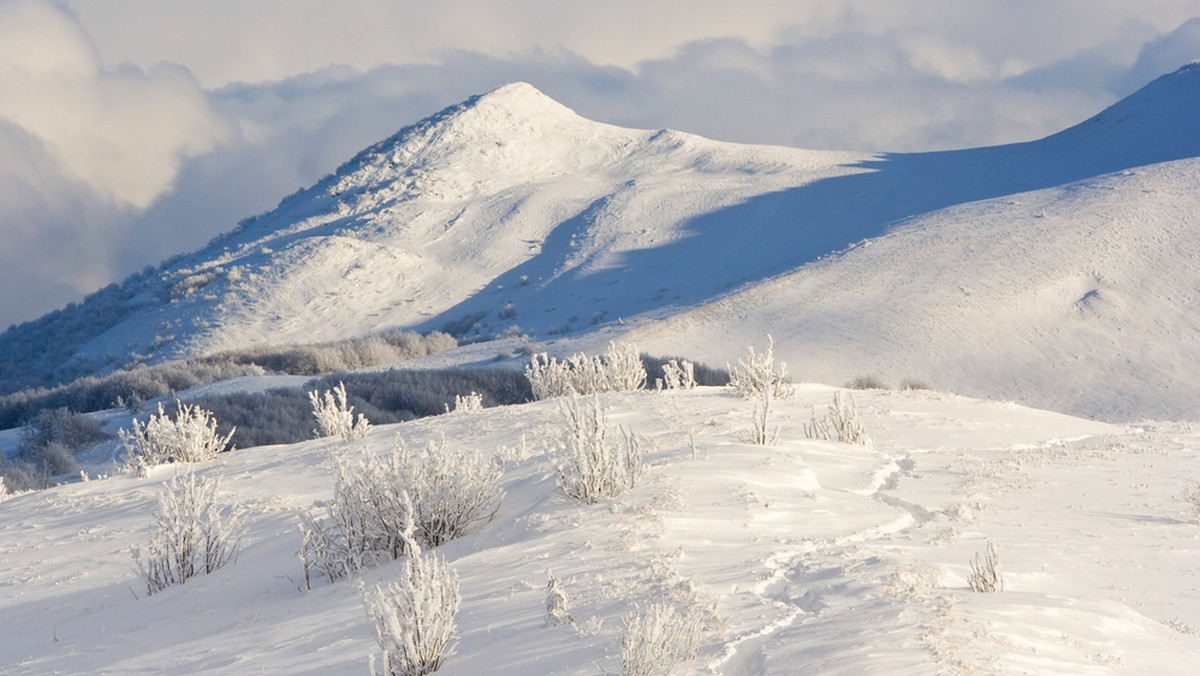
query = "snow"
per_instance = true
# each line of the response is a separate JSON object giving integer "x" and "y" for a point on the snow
{"x": 1031, "y": 271}
{"x": 819, "y": 557}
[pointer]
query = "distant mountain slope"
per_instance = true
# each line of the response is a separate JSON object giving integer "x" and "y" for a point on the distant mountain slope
{"x": 1083, "y": 298}
{"x": 510, "y": 210}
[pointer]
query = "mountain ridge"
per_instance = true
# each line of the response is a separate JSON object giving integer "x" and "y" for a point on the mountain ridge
{"x": 509, "y": 212}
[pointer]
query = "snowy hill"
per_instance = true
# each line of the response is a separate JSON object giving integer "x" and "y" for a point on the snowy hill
{"x": 510, "y": 210}
{"x": 816, "y": 557}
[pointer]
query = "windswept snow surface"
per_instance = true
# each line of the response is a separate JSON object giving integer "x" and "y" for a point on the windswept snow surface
{"x": 1060, "y": 272}
{"x": 816, "y": 557}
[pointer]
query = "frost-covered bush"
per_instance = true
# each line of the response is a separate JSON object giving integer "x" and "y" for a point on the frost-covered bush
{"x": 413, "y": 617}
{"x": 4, "y": 494}
{"x": 365, "y": 521}
{"x": 703, "y": 374}
{"x": 191, "y": 437}
{"x": 985, "y": 573}
{"x": 619, "y": 369}
{"x": 758, "y": 373}
{"x": 335, "y": 417}
{"x": 866, "y": 382}
{"x": 192, "y": 535}
{"x": 760, "y": 432}
{"x": 470, "y": 403}
{"x": 556, "y": 603}
{"x": 441, "y": 492}
{"x": 655, "y": 641}
{"x": 452, "y": 489}
{"x": 1191, "y": 494}
{"x": 51, "y": 438}
{"x": 595, "y": 469}
{"x": 679, "y": 375}
{"x": 840, "y": 423}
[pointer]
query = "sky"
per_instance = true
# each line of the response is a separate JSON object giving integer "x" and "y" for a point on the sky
{"x": 132, "y": 130}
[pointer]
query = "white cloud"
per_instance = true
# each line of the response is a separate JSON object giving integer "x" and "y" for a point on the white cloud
{"x": 122, "y": 132}
{"x": 104, "y": 142}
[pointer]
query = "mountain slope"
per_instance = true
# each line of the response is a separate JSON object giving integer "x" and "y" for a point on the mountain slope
{"x": 511, "y": 211}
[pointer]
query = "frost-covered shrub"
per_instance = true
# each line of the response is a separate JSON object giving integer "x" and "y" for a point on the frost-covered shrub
{"x": 866, "y": 382}
{"x": 470, "y": 403}
{"x": 191, "y": 437}
{"x": 913, "y": 384}
{"x": 679, "y": 375}
{"x": 985, "y": 574}
{"x": 556, "y": 603}
{"x": 452, "y": 489}
{"x": 619, "y": 369}
{"x": 758, "y": 373}
{"x": 365, "y": 521}
{"x": 840, "y": 423}
{"x": 655, "y": 641}
{"x": 51, "y": 438}
{"x": 191, "y": 534}
{"x": 335, "y": 418}
{"x": 285, "y": 415}
{"x": 21, "y": 476}
{"x": 703, "y": 374}
{"x": 4, "y": 494}
{"x": 595, "y": 469}
{"x": 760, "y": 433}
{"x": 413, "y": 617}
{"x": 1191, "y": 494}
{"x": 439, "y": 493}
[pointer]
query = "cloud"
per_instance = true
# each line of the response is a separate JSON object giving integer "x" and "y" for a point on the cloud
{"x": 114, "y": 159}
{"x": 82, "y": 150}
{"x": 122, "y": 132}
{"x": 1164, "y": 54}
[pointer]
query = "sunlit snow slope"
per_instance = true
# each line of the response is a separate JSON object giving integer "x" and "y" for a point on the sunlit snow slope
{"x": 813, "y": 557}
{"x": 1061, "y": 272}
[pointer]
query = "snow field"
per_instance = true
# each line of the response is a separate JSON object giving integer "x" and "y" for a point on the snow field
{"x": 806, "y": 555}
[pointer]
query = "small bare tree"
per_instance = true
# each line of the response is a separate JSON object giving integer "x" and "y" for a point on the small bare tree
{"x": 335, "y": 417}
{"x": 595, "y": 470}
{"x": 985, "y": 574}
{"x": 190, "y": 437}
{"x": 758, "y": 372}
{"x": 191, "y": 534}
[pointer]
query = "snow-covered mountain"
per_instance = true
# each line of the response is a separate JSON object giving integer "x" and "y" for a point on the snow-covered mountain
{"x": 1060, "y": 272}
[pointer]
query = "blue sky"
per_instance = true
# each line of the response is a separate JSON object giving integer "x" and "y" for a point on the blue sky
{"x": 134, "y": 129}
